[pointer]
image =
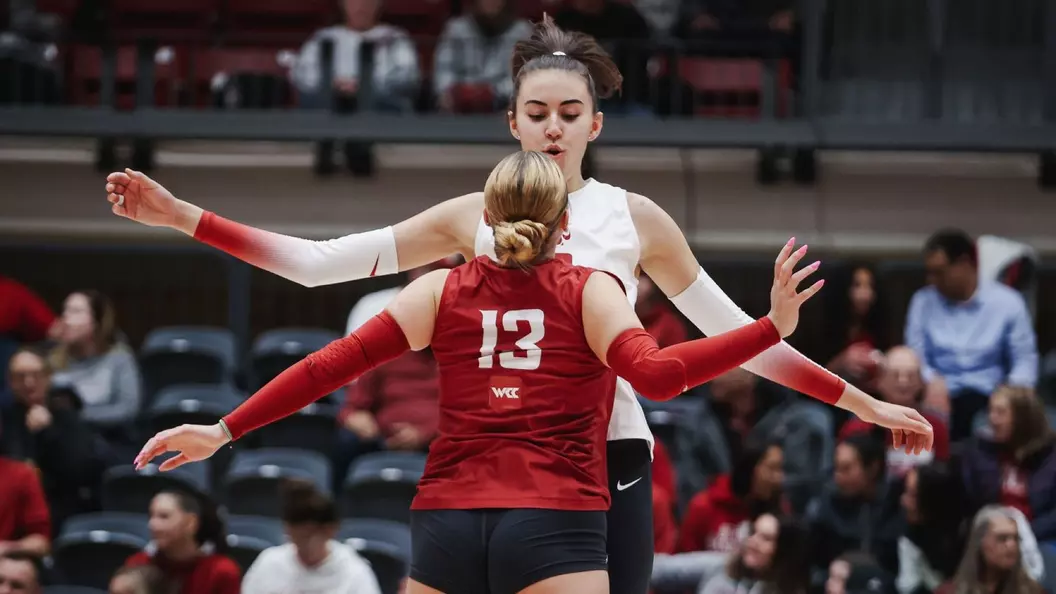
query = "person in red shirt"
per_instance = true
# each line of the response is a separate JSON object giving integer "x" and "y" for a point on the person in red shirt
{"x": 899, "y": 381}
{"x": 716, "y": 518}
{"x": 188, "y": 545}
{"x": 24, "y": 316}
{"x": 514, "y": 493}
{"x": 25, "y": 522}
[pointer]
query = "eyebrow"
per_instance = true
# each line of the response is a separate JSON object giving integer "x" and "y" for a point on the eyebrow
{"x": 565, "y": 102}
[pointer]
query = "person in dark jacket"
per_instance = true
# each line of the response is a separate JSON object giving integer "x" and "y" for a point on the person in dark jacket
{"x": 43, "y": 427}
{"x": 860, "y": 510}
{"x": 1016, "y": 465}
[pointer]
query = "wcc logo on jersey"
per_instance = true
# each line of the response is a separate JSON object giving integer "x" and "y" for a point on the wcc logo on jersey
{"x": 505, "y": 392}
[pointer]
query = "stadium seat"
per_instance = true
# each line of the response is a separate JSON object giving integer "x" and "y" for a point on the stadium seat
{"x": 382, "y": 485}
{"x": 86, "y": 69}
{"x": 252, "y": 483}
{"x": 736, "y": 83}
{"x": 168, "y": 21}
{"x": 193, "y": 404}
{"x": 216, "y": 72}
{"x": 90, "y": 548}
{"x": 133, "y": 523}
{"x": 247, "y": 536}
{"x": 312, "y": 428}
{"x": 533, "y": 9}
{"x": 127, "y": 490}
{"x": 187, "y": 355}
{"x": 251, "y": 21}
{"x": 275, "y": 350}
{"x": 385, "y": 544}
{"x": 72, "y": 590}
{"x": 424, "y": 18}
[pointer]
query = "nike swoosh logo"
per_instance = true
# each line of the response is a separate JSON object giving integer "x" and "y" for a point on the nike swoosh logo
{"x": 622, "y": 487}
{"x": 374, "y": 270}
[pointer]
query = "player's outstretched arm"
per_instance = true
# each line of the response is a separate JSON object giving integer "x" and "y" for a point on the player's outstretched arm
{"x": 667, "y": 258}
{"x": 405, "y": 324}
{"x": 617, "y": 337}
{"x": 445, "y": 229}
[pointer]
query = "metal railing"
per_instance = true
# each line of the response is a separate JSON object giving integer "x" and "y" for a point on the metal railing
{"x": 899, "y": 74}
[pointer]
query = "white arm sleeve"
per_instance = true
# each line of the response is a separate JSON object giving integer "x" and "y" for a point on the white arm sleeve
{"x": 713, "y": 312}
{"x": 303, "y": 261}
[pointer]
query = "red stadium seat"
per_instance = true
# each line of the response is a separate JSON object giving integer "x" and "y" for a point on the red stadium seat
{"x": 533, "y": 9}
{"x": 168, "y": 21}
{"x": 63, "y": 8}
{"x": 210, "y": 67}
{"x": 260, "y": 21}
{"x": 737, "y": 83}
{"x": 86, "y": 68}
{"x": 418, "y": 17}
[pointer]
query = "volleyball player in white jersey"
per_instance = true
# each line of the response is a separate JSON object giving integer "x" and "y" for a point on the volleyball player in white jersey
{"x": 559, "y": 78}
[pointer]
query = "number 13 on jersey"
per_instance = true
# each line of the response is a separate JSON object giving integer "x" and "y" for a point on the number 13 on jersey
{"x": 527, "y": 355}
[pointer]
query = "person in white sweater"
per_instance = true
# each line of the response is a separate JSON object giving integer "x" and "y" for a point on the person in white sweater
{"x": 313, "y": 562}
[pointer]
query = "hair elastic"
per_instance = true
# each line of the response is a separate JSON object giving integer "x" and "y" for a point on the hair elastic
{"x": 560, "y": 54}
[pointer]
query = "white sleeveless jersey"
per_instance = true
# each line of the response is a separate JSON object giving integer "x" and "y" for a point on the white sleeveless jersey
{"x": 600, "y": 235}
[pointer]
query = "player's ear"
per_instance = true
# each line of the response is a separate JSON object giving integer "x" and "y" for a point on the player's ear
{"x": 487, "y": 221}
{"x": 564, "y": 220}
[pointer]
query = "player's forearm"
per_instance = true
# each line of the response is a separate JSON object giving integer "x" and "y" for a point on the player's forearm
{"x": 662, "y": 374}
{"x": 303, "y": 261}
{"x": 713, "y": 312}
{"x": 376, "y": 342}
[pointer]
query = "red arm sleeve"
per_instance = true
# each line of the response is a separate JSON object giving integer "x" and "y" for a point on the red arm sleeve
{"x": 663, "y": 374}
{"x": 379, "y": 340}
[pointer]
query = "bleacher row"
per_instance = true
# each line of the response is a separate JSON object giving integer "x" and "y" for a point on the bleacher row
{"x": 201, "y": 43}
{"x": 244, "y": 479}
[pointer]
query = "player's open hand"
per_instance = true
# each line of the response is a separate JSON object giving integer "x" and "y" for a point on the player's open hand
{"x": 785, "y": 296}
{"x": 193, "y": 442}
{"x": 909, "y": 429}
{"x": 135, "y": 196}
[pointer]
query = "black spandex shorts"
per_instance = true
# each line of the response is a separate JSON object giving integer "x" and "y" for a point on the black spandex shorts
{"x": 503, "y": 551}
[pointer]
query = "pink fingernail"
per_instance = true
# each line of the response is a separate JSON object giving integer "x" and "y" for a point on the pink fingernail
{"x": 816, "y": 265}
{"x": 791, "y": 241}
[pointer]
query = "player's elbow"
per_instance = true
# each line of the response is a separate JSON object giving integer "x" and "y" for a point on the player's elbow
{"x": 658, "y": 387}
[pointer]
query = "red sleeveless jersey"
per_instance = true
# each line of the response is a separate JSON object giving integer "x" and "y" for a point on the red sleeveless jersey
{"x": 524, "y": 402}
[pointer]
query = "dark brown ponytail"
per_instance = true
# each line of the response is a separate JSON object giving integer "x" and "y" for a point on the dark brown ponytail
{"x": 551, "y": 48}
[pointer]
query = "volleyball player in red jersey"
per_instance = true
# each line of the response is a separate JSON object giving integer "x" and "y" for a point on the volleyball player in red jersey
{"x": 514, "y": 493}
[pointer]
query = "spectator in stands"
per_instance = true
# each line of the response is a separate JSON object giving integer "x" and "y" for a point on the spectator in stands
{"x": 856, "y": 324}
{"x": 718, "y": 518}
{"x": 1016, "y": 466}
{"x": 188, "y": 545}
{"x": 20, "y": 574}
{"x": 930, "y": 548}
{"x": 657, "y": 314}
{"x": 471, "y": 70}
{"x": 395, "y": 58}
{"x": 313, "y": 561}
{"x": 52, "y": 438}
{"x": 103, "y": 370}
{"x": 625, "y": 34}
{"x": 771, "y": 560}
{"x": 971, "y": 334}
{"x": 859, "y": 511}
{"x": 144, "y": 579}
{"x": 394, "y": 83}
{"x": 900, "y": 382}
{"x": 992, "y": 561}
{"x": 660, "y": 14}
{"x": 858, "y": 573}
{"x": 24, "y": 318}
{"x": 25, "y": 523}
{"x": 700, "y": 17}
{"x": 742, "y": 407}
{"x": 393, "y": 407}
{"x": 372, "y": 304}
